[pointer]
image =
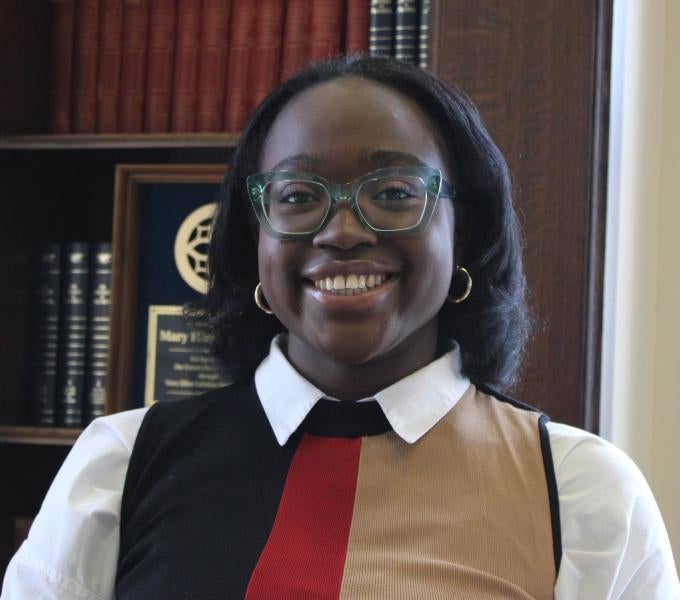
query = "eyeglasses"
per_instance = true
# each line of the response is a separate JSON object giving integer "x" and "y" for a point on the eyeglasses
{"x": 389, "y": 202}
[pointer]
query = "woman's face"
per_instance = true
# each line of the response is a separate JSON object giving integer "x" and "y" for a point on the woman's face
{"x": 341, "y": 130}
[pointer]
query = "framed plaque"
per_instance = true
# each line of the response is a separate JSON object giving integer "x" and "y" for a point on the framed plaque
{"x": 161, "y": 229}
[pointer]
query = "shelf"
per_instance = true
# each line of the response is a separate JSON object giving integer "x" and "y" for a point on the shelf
{"x": 54, "y": 436}
{"x": 119, "y": 140}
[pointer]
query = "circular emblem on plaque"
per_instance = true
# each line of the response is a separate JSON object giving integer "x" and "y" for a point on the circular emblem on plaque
{"x": 191, "y": 247}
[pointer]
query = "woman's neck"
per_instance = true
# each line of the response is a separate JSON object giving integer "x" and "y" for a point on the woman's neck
{"x": 350, "y": 381}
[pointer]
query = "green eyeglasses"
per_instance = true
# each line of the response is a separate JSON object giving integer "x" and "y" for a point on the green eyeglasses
{"x": 389, "y": 202}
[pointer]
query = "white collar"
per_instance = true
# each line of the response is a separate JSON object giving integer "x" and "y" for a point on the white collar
{"x": 412, "y": 405}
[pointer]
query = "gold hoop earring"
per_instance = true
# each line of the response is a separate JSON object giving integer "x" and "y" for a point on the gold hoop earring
{"x": 468, "y": 286}
{"x": 260, "y": 301}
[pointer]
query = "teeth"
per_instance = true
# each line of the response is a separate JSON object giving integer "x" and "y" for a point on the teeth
{"x": 349, "y": 285}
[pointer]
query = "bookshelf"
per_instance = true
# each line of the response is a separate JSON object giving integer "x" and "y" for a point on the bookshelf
{"x": 538, "y": 73}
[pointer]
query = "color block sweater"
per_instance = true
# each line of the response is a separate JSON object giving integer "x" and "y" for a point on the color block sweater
{"x": 213, "y": 507}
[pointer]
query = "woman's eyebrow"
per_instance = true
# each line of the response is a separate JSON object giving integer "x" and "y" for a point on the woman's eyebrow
{"x": 304, "y": 161}
{"x": 394, "y": 156}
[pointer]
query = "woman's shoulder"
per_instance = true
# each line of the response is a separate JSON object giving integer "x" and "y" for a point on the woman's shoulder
{"x": 614, "y": 542}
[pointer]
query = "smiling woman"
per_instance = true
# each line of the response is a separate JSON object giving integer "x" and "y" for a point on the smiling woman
{"x": 367, "y": 297}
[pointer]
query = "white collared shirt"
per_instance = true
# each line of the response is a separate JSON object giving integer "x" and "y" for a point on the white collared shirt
{"x": 614, "y": 543}
{"x": 287, "y": 406}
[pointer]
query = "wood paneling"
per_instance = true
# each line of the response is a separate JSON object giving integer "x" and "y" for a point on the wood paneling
{"x": 538, "y": 72}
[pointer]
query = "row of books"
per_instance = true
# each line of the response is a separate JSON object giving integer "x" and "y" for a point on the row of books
{"x": 156, "y": 66}
{"x": 72, "y": 302}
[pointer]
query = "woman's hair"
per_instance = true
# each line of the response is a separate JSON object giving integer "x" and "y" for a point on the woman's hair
{"x": 492, "y": 325}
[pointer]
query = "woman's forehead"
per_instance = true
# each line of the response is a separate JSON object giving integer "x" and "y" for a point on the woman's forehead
{"x": 351, "y": 120}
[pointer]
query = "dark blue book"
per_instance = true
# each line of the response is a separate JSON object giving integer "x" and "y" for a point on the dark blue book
{"x": 424, "y": 35}
{"x": 406, "y": 31}
{"x": 45, "y": 334}
{"x": 97, "y": 348}
{"x": 381, "y": 29}
{"x": 72, "y": 334}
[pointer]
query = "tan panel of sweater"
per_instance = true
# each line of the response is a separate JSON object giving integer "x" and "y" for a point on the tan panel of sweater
{"x": 462, "y": 513}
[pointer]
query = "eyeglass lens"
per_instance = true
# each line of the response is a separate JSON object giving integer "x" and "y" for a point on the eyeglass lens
{"x": 386, "y": 203}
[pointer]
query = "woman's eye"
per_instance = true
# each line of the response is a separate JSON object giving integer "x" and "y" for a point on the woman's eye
{"x": 393, "y": 196}
{"x": 298, "y": 198}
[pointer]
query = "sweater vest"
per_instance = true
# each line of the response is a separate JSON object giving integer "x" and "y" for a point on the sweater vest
{"x": 213, "y": 507}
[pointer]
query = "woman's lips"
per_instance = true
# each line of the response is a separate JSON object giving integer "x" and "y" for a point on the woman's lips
{"x": 349, "y": 285}
{"x": 359, "y": 298}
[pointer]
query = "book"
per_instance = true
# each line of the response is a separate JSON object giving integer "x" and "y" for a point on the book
{"x": 72, "y": 334}
{"x": 295, "y": 38}
{"x": 85, "y": 66}
{"x": 406, "y": 31}
{"x": 356, "y": 26}
{"x": 98, "y": 320}
{"x": 61, "y": 56}
{"x": 424, "y": 34}
{"x": 133, "y": 66}
{"x": 160, "y": 65}
{"x": 108, "y": 65}
{"x": 264, "y": 75}
{"x": 240, "y": 42}
{"x": 326, "y": 25}
{"x": 45, "y": 335}
{"x": 381, "y": 30}
{"x": 212, "y": 65}
{"x": 183, "y": 112}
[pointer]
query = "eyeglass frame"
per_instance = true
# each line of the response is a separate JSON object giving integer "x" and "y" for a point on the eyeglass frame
{"x": 346, "y": 193}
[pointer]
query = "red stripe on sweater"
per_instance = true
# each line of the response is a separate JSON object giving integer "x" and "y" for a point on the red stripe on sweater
{"x": 304, "y": 556}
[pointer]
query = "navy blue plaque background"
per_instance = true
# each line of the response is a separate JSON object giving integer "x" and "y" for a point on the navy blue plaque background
{"x": 162, "y": 209}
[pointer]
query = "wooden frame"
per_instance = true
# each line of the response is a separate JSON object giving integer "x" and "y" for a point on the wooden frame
{"x": 126, "y": 247}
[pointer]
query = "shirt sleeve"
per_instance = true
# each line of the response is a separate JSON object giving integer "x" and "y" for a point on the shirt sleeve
{"x": 614, "y": 542}
{"x": 72, "y": 547}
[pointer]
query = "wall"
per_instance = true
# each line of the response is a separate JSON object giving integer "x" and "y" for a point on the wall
{"x": 641, "y": 350}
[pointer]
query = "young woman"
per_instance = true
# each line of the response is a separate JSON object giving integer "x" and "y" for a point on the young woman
{"x": 367, "y": 297}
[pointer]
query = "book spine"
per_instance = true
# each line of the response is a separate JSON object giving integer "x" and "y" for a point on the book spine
{"x": 85, "y": 67}
{"x": 406, "y": 31}
{"x": 267, "y": 49}
{"x": 237, "y": 96}
{"x": 381, "y": 32}
{"x": 424, "y": 35}
{"x": 45, "y": 336}
{"x": 212, "y": 69}
{"x": 326, "y": 26}
{"x": 133, "y": 66}
{"x": 63, "y": 25}
{"x": 295, "y": 37}
{"x": 108, "y": 69}
{"x": 99, "y": 312}
{"x": 183, "y": 117}
{"x": 72, "y": 334}
{"x": 356, "y": 29}
{"x": 161, "y": 51}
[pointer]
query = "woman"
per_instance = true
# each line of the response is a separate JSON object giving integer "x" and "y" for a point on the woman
{"x": 365, "y": 268}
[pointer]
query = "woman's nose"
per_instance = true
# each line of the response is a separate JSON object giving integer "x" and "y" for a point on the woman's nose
{"x": 344, "y": 231}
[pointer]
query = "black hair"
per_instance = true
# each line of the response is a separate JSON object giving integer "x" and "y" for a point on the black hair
{"x": 492, "y": 325}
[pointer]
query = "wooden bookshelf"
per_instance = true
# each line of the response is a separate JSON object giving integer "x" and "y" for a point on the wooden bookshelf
{"x": 121, "y": 140}
{"x": 53, "y": 436}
